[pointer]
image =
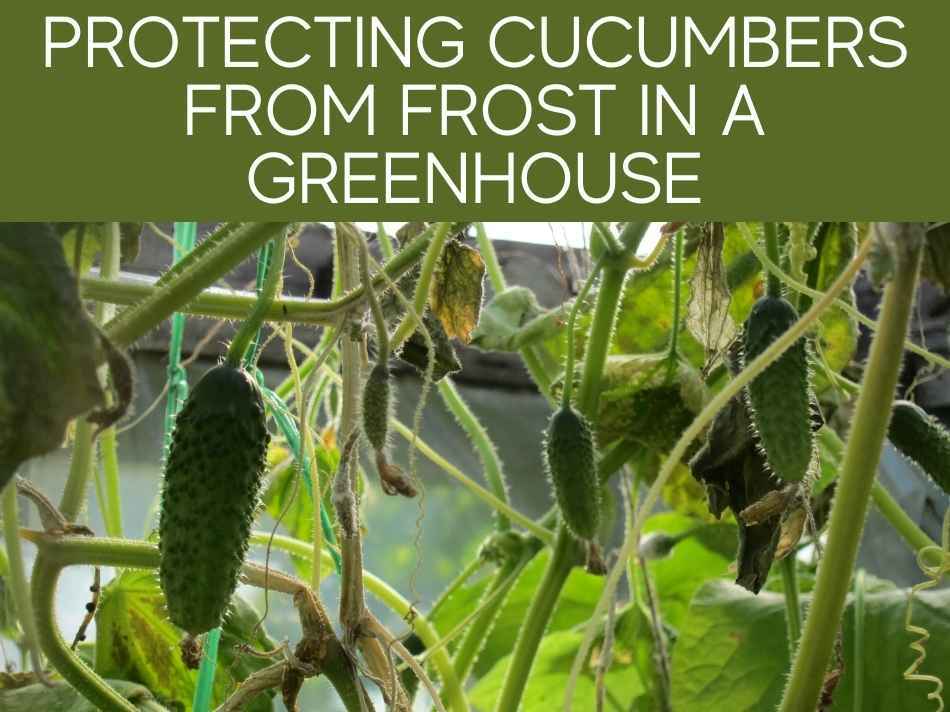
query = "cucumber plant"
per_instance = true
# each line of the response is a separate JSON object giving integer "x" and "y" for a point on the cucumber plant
{"x": 661, "y": 415}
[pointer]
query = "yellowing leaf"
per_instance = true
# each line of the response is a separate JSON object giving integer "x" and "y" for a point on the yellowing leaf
{"x": 456, "y": 294}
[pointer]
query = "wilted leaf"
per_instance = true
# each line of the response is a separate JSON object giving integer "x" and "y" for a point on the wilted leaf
{"x": 136, "y": 641}
{"x": 504, "y": 318}
{"x": 707, "y": 312}
{"x": 456, "y": 294}
{"x": 63, "y": 698}
{"x": 48, "y": 364}
{"x": 415, "y": 351}
{"x": 732, "y": 652}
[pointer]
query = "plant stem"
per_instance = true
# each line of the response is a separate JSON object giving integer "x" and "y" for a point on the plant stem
{"x": 677, "y": 296}
{"x": 491, "y": 463}
{"x": 19, "y": 586}
{"x": 862, "y": 454}
{"x": 772, "y": 249}
{"x": 375, "y": 309}
{"x": 85, "y": 681}
{"x": 421, "y": 296}
{"x": 80, "y": 470}
{"x": 567, "y": 391}
{"x": 492, "y": 266}
{"x": 481, "y": 627}
{"x": 859, "y": 641}
{"x": 563, "y": 557}
{"x": 385, "y": 244}
{"x": 899, "y": 519}
{"x": 793, "y": 608}
{"x": 248, "y": 331}
{"x": 598, "y": 341}
{"x": 696, "y": 428}
{"x": 137, "y": 320}
{"x": 112, "y": 505}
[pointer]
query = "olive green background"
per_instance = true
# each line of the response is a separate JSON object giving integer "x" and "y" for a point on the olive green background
{"x": 840, "y": 143}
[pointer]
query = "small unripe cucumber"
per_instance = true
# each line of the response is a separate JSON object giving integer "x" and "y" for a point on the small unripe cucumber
{"x": 376, "y": 407}
{"x": 780, "y": 397}
{"x": 922, "y": 439}
{"x": 210, "y": 493}
{"x": 569, "y": 450}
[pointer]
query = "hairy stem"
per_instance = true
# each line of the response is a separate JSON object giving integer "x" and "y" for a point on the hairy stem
{"x": 491, "y": 463}
{"x": 492, "y": 266}
{"x": 137, "y": 320}
{"x": 568, "y": 389}
{"x": 598, "y": 341}
{"x": 915, "y": 537}
{"x": 772, "y": 250}
{"x": 248, "y": 331}
{"x": 862, "y": 454}
{"x": 19, "y": 586}
{"x": 793, "y": 607}
{"x": 677, "y": 295}
{"x": 563, "y": 557}
{"x": 112, "y": 503}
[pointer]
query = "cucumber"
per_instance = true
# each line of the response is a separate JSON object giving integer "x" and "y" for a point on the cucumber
{"x": 376, "y": 407}
{"x": 210, "y": 493}
{"x": 780, "y": 397}
{"x": 572, "y": 467}
{"x": 922, "y": 439}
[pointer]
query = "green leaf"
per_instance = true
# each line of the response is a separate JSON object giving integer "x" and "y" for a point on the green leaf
{"x": 838, "y": 333}
{"x": 579, "y": 596}
{"x": 456, "y": 292}
{"x": 693, "y": 561}
{"x": 287, "y": 501}
{"x": 92, "y": 236}
{"x": 136, "y": 641}
{"x": 549, "y": 676}
{"x": 48, "y": 365}
{"x": 732, "y": 651}
{"x": 63, "y": 698}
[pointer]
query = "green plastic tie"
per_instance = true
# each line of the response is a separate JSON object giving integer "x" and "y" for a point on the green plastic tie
{"x": 209, "y": 662}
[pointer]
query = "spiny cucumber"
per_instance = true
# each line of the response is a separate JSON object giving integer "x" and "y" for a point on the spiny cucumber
{"x": 780, "y": 397}
{"x": 376, "y": 407}
{"x": 210, "y": 493}
{"x": 571, "y": 464}
{"x": 921, "y": 438}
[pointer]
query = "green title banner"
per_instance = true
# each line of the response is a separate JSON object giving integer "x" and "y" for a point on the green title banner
{"x": 524, "y": 111}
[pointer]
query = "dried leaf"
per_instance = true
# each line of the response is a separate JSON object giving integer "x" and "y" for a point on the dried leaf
{"x": 48, "y": 365}
{"x": 456, "y": 294}
{"x": 707, "y": 313}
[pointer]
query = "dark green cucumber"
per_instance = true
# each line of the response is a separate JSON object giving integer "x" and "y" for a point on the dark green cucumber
{"x": 922, "y": 439}
{"x": 376, "y": 407}
{"x": 210, "y": 493}
{"x": 571, "y": 464}
{"x": 780, "y": 397}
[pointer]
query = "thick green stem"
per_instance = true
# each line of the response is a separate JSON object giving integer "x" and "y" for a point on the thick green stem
{"x": 793, "y": 607}
{"x": 598, "y": 341}
{"x": 19, "y": 586}
{"x": 375, "y": 308}
{"x": 385, "y": 244}
{"x": 568, "y": 389}
{"x": 248, "y": 331}
{"x": 564, "y": 556}
{"x": 80, "y": 471}
{"x": 491, "y": 463}
{"x": 82, "y": 678}
{"x": 772, "y": 249}
{"x": 899, "y": 519}
{"x": 490, "y": 257}
{"x": 135, "y": 321}
{"x": 421, "y": 296}
{"x": 112, "y": 504}
{"x": 862, "y": 454}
